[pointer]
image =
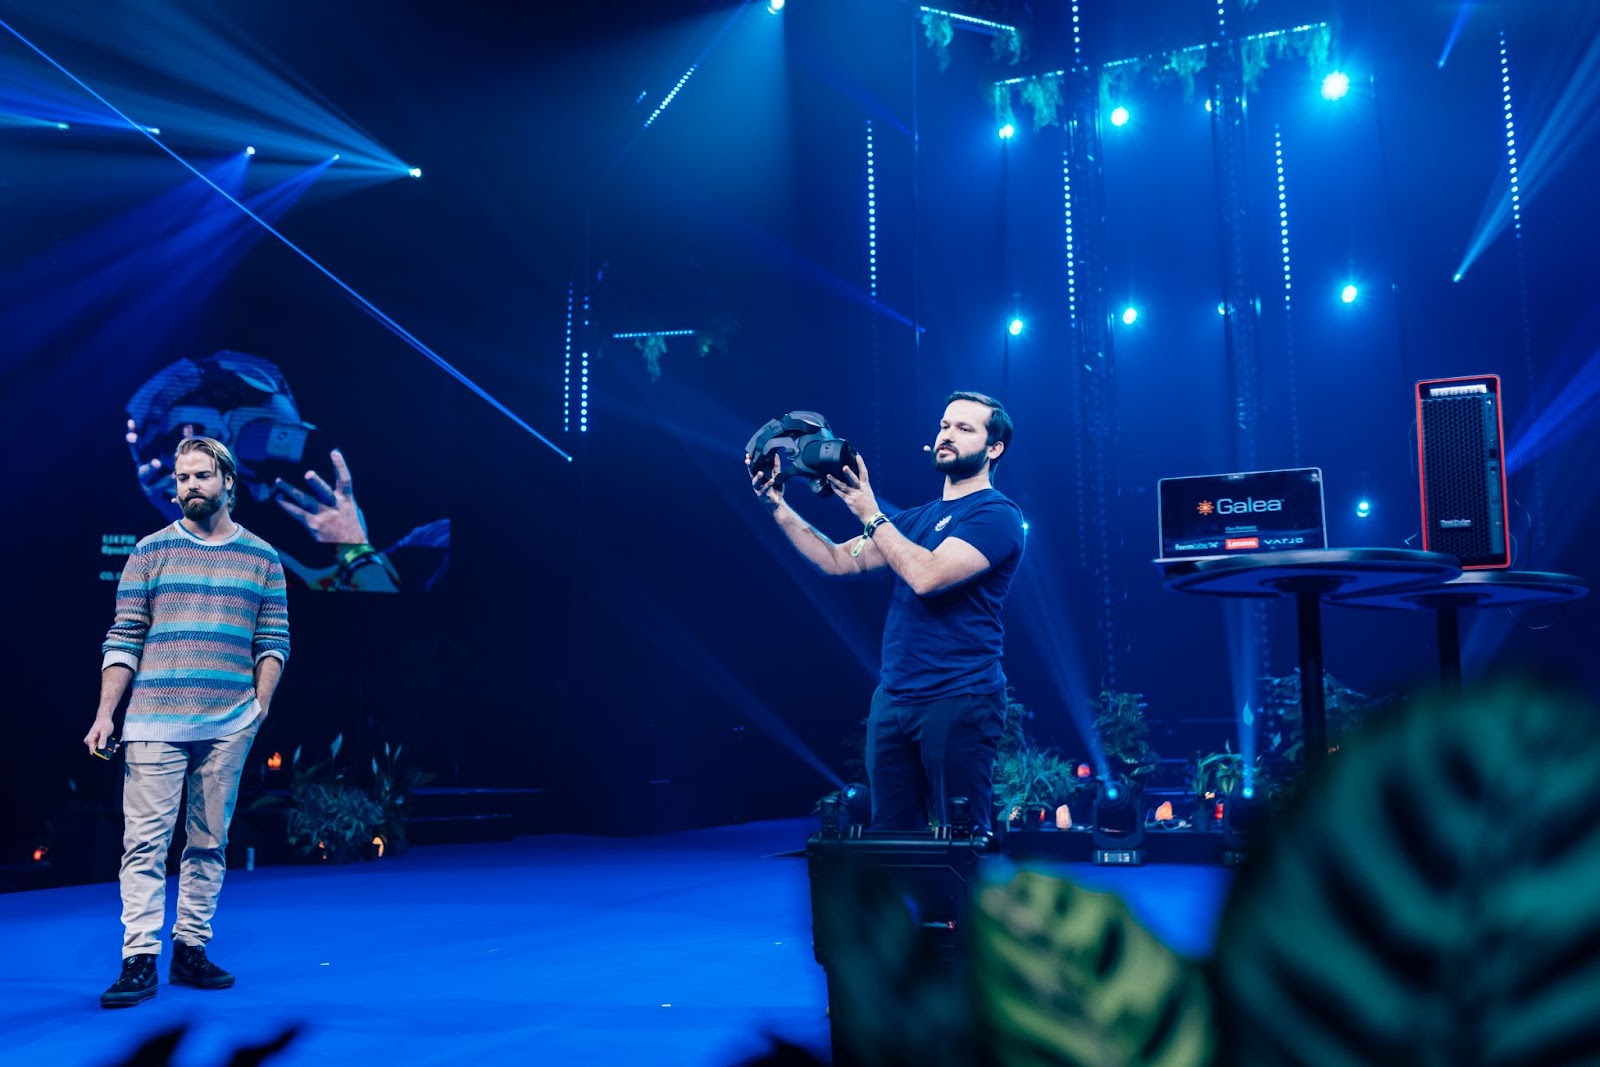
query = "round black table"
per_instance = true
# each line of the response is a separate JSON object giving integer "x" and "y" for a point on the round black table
{"x": 1310, "y": 576}
{"x": 1473, "y": 589}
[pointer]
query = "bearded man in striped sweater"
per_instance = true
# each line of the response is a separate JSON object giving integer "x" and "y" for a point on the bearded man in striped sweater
{"x": 202, "y": 634}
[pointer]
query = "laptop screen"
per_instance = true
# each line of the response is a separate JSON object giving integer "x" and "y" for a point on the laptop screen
{"x": 1254, "y": 511}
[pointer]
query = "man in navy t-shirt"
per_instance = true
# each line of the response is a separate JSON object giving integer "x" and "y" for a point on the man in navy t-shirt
{"x": 939, "y": 709}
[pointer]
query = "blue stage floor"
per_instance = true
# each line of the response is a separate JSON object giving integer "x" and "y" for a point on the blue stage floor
{"x": 681, "y": 949}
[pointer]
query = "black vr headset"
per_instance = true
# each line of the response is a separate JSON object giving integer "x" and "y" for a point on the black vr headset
{"x": 807, "y": 447}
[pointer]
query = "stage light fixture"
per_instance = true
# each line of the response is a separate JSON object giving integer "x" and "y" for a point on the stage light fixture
{"x": 249, "y": 149}
{"x": 1130, "y": 315}
{"x": 774, "y": 6}
{"x": 1119, "y": 116}
{"x": 1245, "y": 815}
{"x": 1336, "y": 85}
{"x": 1007, "y": 132}
{"x": 415, "y": 172}
{"x": 336, "y": 157}
{"x": 1015, "y": 327}
{"x": 1349, "y": 293}
{"x": 828, "y": 811}
{"x": 1364, "y": 509}
{"x": 62, "y": 126}
{"x": 1118, "y": 826}
{"x": 856, "y": 802}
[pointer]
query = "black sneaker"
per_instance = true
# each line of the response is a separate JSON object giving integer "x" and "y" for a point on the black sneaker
{"x": 136, "y": 984}
{"x": 190, "y": 967}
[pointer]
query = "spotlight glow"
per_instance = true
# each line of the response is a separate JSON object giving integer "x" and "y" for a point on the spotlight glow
{"x": 415, "y": 172}
{"x": 1336, "y": 86}
{"x": 1007, "y": 132}
{"x": 1015, "y": 328}
{"x": 1119, "y": 116}
{"x": 1130, "y": 315}
{"x": 1349, "y": 293}
{"x": 774, "y": 6}
{"x": 249, "y": 149}
{"x": 1364, "y": 509}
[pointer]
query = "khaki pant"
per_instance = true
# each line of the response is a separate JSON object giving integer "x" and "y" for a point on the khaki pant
{"x": 154, "y": 775}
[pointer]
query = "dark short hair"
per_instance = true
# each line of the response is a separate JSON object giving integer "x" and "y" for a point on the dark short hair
{"x": 999, "y": 419}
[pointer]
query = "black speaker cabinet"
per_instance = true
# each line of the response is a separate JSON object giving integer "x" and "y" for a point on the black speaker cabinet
{"x": 865, "y": 881}
{"x": 1461, "y": 464}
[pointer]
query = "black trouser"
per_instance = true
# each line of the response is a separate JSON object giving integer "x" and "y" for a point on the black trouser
{"x": 921, "y": 755}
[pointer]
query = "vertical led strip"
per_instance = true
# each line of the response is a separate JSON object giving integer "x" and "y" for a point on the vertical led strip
{"x": 1222, "y": 18}
{"x": 1288, "y": 299}
{"x": 583, "y": 381}
{"x": 1077, "y": 37}
{"x": 1072, "y": 250}
{"x": 566, "y": 371}
{"x": 872, "y": 220}
{"x": 1283, "y": 219}
{"x": 1511, "y": 135}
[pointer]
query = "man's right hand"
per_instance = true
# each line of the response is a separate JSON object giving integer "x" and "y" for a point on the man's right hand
{"x": 99, "y": 733}
{"x": 768, "y": 491}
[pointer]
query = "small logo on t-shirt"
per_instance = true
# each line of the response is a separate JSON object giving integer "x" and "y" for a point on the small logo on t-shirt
{"x": 942, "y": 523}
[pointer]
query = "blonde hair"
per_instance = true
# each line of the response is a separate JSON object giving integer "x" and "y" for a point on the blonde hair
{"x": 220, "y": 455}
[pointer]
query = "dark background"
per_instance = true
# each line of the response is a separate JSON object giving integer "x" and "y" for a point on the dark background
{"x": 626, "y": 629}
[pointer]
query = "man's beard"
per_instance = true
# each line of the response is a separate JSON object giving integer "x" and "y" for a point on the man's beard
{"x": 958, "y": 467}
{"x": 196, "y": 508}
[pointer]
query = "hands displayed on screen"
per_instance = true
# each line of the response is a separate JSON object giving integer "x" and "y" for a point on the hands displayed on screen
{"x": 329, "y": 513}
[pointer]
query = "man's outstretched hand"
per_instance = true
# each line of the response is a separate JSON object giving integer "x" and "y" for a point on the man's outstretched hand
{"x": 768, "y": 491}
{"x": 855, "y": 489}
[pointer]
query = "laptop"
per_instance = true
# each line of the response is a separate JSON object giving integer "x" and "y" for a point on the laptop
{"x": 1210, "y": 516}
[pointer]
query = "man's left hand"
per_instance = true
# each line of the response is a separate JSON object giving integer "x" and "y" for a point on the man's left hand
{"x": 855, "y": 489}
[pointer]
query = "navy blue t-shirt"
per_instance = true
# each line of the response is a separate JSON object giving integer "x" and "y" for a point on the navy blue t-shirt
{"x": 949, "y": 643}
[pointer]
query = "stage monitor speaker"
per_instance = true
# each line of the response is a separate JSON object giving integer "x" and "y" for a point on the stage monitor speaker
{"x": 1461, "y": 465}
{"x": 864, "y": 885}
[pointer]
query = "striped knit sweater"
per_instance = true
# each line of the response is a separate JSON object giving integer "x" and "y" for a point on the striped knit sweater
{"x": 193, "y": 618}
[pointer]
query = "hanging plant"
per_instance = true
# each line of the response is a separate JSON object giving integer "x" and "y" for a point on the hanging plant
{"x": 1004, "y": 114}
{"x": 1006, "y": 46}
{"x": 1254, "y": 58}
{"x": 1043, "y": 95}
{"x": 716, "y": 337}
{"x": 1314, "y": 45}
{"x": 1183, "y": 65}
{"x": 939, "y": 31}
{"x": 654, "y": 348}
{"x": 1116, "y": 83}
